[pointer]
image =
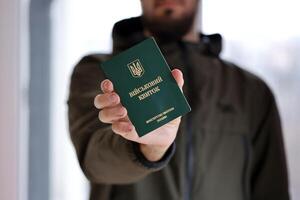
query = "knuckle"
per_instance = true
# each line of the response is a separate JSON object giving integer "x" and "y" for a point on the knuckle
{"x": 124, "y": 111}
{"x": 111, "y": 114}
{"x": 102, "y": 116}
{"x": 101, "y": 101}
{"x": 113, "y": 98}
{"x": 96, "y": 101}
{"x": 121, "y": 112}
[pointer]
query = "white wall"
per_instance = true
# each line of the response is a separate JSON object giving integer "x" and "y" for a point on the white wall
{"x": 9, "y": 98}
{"x": 13, "y": 99}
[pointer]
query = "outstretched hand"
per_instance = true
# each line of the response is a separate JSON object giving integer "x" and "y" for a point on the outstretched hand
{"x": 154, "y": 144}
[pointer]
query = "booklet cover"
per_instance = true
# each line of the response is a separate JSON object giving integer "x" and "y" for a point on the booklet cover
{"x": 147, "y": 89}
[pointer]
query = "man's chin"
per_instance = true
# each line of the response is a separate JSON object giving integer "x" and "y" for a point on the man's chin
{"x": 168, "y": 28}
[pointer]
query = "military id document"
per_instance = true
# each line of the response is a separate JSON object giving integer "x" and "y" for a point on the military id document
{"x": 147, "y": 89}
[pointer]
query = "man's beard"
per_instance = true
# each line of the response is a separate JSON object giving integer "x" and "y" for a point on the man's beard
{"x": 169, "y": 29}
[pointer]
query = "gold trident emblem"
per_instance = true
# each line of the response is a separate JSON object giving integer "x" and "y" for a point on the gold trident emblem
{"x": 136, "y": 69}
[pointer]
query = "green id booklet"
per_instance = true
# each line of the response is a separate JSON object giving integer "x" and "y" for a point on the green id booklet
{"x": 147, "y": 89}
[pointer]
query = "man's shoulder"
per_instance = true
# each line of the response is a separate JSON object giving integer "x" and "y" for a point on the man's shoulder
{"x": 87, "y": 73}
{"x": 244, "y": 89}
{"x": 246, "y": 92}
{"x": 90, "y": 63}
{"x": 93, "y": 59}
{"x": 242, "y": 77}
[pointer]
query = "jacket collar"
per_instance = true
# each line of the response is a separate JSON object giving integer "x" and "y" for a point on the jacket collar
{"x": 129, "y": 32}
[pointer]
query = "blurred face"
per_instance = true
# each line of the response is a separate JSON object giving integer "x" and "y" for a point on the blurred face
{"x": 169, "y": 18}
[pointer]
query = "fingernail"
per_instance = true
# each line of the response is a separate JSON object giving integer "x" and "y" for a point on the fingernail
{"x": 105, "y": 84}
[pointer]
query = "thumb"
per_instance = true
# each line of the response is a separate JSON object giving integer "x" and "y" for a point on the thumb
{"x": 178, "y": 76}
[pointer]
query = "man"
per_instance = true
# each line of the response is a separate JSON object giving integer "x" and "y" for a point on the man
{"x": 228, "y": 147}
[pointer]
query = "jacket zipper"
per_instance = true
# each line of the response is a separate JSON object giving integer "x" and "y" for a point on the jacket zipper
{"x": 190, "y": 161}
{"x": 189, "y": 136}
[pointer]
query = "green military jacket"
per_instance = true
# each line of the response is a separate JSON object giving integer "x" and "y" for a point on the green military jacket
{"x": 229, "y": 147}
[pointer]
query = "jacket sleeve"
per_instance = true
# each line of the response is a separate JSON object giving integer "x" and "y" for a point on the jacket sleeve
{"x": 104, "y": 156}
{"x": 269, "y": 171}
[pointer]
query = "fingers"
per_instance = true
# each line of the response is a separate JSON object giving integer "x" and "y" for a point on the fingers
{"x": 178, "y": 76}
{"x": 126, "y": 130}
{"x": 107, "y": 86}
{"x": 112, "y": 111}
{"x": 122, "y": 127}
{"x": 112, "y": 114}
{"x": 106, "y": 100}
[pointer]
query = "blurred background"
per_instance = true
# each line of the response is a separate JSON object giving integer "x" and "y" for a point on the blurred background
{"x": 41, "y": 41}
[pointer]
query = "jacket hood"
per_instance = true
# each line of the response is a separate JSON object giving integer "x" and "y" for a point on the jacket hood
{"x": 129, "y": 32}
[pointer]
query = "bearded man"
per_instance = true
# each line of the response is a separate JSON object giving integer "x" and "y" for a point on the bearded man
{"x": 229, "y": 147}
